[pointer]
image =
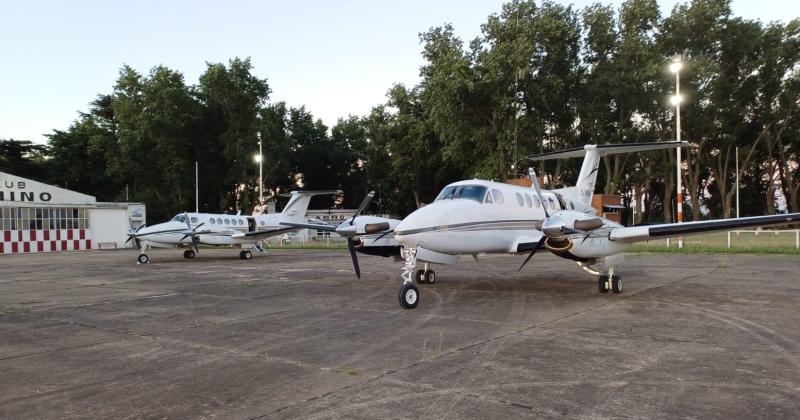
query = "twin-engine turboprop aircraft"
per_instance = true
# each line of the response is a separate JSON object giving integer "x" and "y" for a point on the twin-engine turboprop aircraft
{"x": 193, "y": 229}
{"x": 476, "y": 216}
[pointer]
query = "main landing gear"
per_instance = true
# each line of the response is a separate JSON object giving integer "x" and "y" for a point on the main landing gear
{"x": 245, "y": 254}
{"x": 189, "y": 254}
{"x": 425, "y": 276}
{"x": 610, "y": 281}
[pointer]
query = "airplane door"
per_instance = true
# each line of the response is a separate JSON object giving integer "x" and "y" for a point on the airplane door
{"x": 251, "y": 224}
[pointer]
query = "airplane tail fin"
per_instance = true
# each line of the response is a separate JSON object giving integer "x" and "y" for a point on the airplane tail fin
{"x": 584, "y": 188}
{"x": 295, "y": 210}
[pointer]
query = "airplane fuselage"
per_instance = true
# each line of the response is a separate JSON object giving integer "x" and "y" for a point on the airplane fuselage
{"x": 216, "y": 229}
{"x": 492, "y": 217}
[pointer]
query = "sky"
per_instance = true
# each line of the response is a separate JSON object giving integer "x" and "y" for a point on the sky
{"x": 337, "y": 58}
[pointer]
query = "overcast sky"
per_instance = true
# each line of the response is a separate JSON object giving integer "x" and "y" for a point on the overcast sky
{"x": 335, "y": 57}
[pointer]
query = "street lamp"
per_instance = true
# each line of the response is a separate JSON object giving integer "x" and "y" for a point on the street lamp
{"x": 675, "y": 67}
{"x": 259, "y": 158}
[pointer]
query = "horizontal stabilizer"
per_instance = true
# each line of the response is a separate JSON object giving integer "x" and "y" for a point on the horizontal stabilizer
{"x": 608, "y": 149}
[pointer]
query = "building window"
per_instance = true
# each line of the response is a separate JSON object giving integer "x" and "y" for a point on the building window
{"x": 43, "y": 218}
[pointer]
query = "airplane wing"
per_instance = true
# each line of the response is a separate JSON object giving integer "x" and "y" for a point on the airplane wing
{"x": 328, "y": 228}
{"x": 668, "y": 230}
{"x": 258, "y": 235}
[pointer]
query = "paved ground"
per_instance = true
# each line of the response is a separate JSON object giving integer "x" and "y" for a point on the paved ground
{"x": 294, "y": 334}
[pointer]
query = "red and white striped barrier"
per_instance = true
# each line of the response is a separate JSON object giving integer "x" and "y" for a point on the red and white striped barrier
{"x": 51, "y": 240}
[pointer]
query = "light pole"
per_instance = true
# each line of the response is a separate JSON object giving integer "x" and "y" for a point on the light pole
{"x": 259, "y": 159}
{"x": 675, "y": 67}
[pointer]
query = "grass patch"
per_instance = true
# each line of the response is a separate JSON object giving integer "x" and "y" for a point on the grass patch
{"x": 351, "y": 372}
{"x": 6, "y": 310}
{"x": 700, "y": 249}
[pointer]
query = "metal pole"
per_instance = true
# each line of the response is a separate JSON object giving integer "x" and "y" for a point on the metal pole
{"x": 196, "y": 188}
{"x": 678, "y": 163}
{"x": 260, "y": 172}
{"x": 729, "y": 239}
{"x": 737, "y": 182}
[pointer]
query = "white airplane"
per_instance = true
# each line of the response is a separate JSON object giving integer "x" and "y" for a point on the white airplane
{"x": 193, "y": 229}
{"x": 477, "y": 216}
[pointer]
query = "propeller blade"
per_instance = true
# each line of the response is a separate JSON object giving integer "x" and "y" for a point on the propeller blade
{"x": 198, "y": 226}
{"x": 363, "y": 205}
{"x": 533, "y": 251}
{"x": 353, "y": 256}
{"x": 371, "y": 228}
{"x": 535, "y": 183}
{"x": 138, "y": 243}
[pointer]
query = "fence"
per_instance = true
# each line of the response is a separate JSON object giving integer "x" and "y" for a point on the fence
{"x": 757, "y": 239}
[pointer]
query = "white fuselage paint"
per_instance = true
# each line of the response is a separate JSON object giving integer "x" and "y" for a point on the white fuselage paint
{"x": 466, "y": 226}
{"x": 217, "y": 229}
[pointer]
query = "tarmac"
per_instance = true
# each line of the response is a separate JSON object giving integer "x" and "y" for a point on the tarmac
{"x": 294, "y": 334}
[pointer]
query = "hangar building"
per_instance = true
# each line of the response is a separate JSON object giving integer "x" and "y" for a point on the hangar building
{"x": 37, "y": 217}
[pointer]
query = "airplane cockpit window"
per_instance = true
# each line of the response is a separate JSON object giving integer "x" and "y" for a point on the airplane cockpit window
{"x": 194, "y": 220}
{"x": 488, "y": 199}
{"x": 470, "y": 192}
{"x": 446, "y": 193}
{"x": 179, "y": 218}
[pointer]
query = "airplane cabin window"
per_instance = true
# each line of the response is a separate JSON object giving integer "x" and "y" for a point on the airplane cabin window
{"x": 528, "y": 200}
{"x": 498, "y": 196}
{"x": 194, "y": 220}
{"x": 571, "y": 205}
{"x": 241, "y": 222}
{"x": 552, "y": 202}
{"x": 219, "y": 221}
{"x": 211, "y": 220}
{"x": 519, "y": 200}
{"x": 262, "y": 223}
{"x": 227, "y": 222}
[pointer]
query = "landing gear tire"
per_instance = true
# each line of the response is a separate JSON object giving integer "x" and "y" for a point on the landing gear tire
{"x": 246, "y": 255}
{"x": 143, "y": 259}
{"x": 409, "y": 296}
{"x": 430, "y": 277}
{"x": 602, "y": 284}
{"x": 189, "y": 254}
{"x": 419, "y": 276}
{"x": 616, "y": 284}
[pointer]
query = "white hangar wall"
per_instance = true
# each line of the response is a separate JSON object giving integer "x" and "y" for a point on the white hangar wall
{"x": 37, "y": 217}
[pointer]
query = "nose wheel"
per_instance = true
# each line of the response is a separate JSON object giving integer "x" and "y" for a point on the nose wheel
{"x": 246, "y": 255}
{"x": 143, "y": 259}
{"x": 408, "y": 296}
{"x": 189, "y": 254}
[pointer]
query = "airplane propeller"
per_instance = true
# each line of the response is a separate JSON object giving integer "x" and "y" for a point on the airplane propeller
{"x": 554, "y": 227}
{"x": 349, "y": 229}
{"x": 132, "y": 236}
{"x": 191, "y": 232}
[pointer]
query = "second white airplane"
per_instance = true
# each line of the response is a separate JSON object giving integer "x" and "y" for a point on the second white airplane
{"x": 193, "y": 229}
